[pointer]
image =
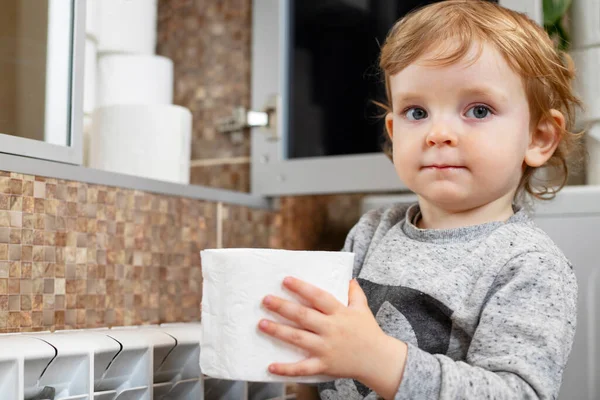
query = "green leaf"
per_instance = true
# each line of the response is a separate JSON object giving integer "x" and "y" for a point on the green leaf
{"x": 554, "y": 10}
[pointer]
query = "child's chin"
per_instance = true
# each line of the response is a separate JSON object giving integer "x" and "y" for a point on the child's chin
{"x": 449, "y": 195}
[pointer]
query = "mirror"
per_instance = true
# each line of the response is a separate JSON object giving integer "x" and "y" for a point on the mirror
{"x": 36, "y": 63}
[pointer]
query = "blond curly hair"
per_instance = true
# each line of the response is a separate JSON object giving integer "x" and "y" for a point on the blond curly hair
{"x": 546, "y": 72}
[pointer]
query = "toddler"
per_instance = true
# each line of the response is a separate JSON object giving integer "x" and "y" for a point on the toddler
{"x": 459, "y": 296}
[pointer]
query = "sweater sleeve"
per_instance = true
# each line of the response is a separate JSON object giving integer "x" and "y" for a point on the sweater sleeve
{"x": 520, "y": 346}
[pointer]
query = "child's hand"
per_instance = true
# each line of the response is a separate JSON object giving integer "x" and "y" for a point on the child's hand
{"x": 341, "y": 341}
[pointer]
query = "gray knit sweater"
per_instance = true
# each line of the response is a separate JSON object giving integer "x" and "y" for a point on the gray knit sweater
{"x": 487, "y": 311}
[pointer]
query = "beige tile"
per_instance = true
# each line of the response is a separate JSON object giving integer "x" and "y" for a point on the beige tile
{"x": 16, "y": 219}
{"x": 39, "y": 189}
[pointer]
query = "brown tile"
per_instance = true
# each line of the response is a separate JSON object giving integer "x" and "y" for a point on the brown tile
{"x": 28, "y": 188}
{"x": 49, "y": 301}
{"x": 59, "y": 302}
{"x": 37, "y": 319}
{"x": 26, "y": 270}
{"x": 39, "y": 206}
{"x": 3, "y": 286}
{"x": 26, "y": 286}
{"x": 4, "y": 202}
{"x": 14, "y": 286}
{"x": 26, "y": 319}
{"x": 60, "y": 239}
{"x": 225, "y": 176}
{"x": 52, "y": 206}
{"x": 15, "y": 235}
{"x": 4, "y": 218}
{"x": 49, "y": 269}
{"x": 71, "y": 317}
{"x": 38, "y": 253}
{"x": 50, "y": 254}
{"x": 37, "y": 285}
{"x": 27, "y": 253}
{"x": 5, "y": 235}
{"x": 27, "y": 236}
{"x": 29, "y": 220}
{"x": 14, "y": 252}
{"x": 3, "y": 319}
{"x": 59, "y": 270}
{"x": 4, "y": 185}
{"x": 14, "y": 319}
{"x": 48, "y": 318}
{"x": 4, "y": 302}
{"x": 48, "y": 286}
{"x": 26, "y": 302}
{"x": 15, "y": 269}
{"x": 37, "y": 302}
{"x": 16, "y": 203}
{"x": 37, "y": 269}
{"x": 16, "y": 186}
{"x": 14, "y": 302}
{"x": 28, "y": 206}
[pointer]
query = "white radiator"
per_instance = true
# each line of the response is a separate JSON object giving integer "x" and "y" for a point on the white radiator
{"x": 129, "y": 363}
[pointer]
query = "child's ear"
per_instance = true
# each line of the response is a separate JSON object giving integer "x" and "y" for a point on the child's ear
{"x": 389, "y": 124}
{"x": 545, "y": 139}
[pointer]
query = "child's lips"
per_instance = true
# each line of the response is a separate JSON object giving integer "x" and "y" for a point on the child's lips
{"x": 442, "y": 167}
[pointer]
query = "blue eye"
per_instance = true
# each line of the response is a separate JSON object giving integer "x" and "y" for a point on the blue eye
{"x": 478, "y": 112}
{"x": 415, "y": 114}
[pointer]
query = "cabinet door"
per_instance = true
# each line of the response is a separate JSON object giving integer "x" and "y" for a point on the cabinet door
{"x": 317, "y": 61}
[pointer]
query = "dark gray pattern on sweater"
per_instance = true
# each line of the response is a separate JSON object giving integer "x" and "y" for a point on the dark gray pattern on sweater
{"x": 487, "y": 311}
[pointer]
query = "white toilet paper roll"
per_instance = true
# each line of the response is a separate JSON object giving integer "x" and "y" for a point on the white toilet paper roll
{"x": 91, "y": 19}
{"x": 127, "y": 26}
{"x": 89, "y": 77}
{"x": 585, "y": 23}
{"x": 587, "y": 82}
{"x": 87, "y": 139}
{"x": 235, "y": 282}
{"x": 151, "y": 141}
{"x": 134, "y": 79}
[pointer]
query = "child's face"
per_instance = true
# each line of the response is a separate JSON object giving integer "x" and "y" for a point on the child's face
{"x": 460, "y": 132}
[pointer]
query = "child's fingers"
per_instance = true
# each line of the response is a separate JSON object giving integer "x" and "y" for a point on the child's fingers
{"x": 297, "y": 337}
{"x": 308, "y": 367}
{"x": 319, "y": 299}
{"x": 303, "y": 316}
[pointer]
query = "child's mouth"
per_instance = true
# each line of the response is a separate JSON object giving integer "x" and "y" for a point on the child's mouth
{"x": 439, "y": 167}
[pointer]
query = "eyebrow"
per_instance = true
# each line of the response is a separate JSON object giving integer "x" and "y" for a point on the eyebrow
{"x": 478, "y": 91}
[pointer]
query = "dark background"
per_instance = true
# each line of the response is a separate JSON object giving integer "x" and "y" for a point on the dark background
{"x": 334, "y": 75}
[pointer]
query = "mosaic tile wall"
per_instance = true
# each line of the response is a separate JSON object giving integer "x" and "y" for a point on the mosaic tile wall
{"x": 74, "y": 255}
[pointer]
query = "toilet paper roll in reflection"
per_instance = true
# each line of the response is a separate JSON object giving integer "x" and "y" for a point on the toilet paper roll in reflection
{"x": 234, "y": 283}
{"x": 89, "y": 77}
{"x": 150, "y": 141}
{"x": 127, "y": 26}
{"x": 134, "y": 79}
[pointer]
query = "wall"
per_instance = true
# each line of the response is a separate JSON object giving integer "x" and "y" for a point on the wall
{"x": 74, "y": 255}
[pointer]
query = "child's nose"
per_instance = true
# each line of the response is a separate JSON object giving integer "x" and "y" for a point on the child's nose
{"x": 441, "y": 134}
